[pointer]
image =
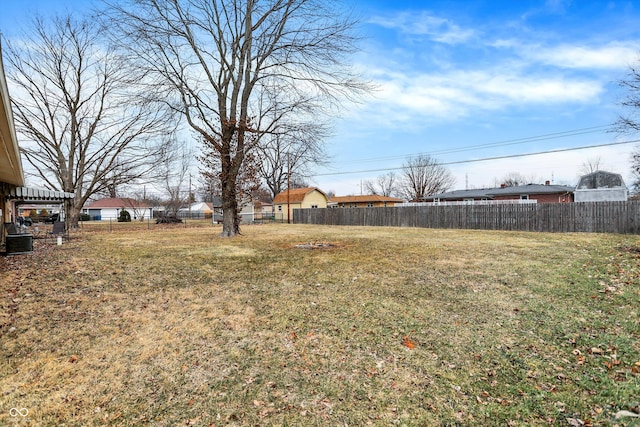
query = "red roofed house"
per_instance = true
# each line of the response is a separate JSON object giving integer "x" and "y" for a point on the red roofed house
{"x": 297, "y": 198}
{"x": 110, "y": 208}
{"x": 365, "y": 201}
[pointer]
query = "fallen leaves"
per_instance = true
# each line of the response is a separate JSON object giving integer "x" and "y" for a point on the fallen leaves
{"x": 597, "y": 351}
{"x": 575, "y": 422}
{"x": 408, "y": 343}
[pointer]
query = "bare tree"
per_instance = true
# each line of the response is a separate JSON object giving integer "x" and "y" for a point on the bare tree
{"x": 384, "y": 185}
{"x": 591, "y": 165}
{"x": 423, "y": 176}
{"x": 635, "y": 168}
{"x": 84, "y": 127}
{"x": 235, "y": 68}
{"x": 514, "y": 179}
{"x": 175, "y": 176}
{"x": 281, "y": 155}
{"x": 629, "y": 123}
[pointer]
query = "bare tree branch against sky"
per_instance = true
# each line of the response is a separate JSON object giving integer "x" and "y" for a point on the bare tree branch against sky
{"x": 237, "y": 70}
{"x": 455, "y": 78}
{"x": 83, "y": 126}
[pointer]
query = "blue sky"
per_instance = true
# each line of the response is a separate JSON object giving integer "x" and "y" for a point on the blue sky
{"x": 470, "y": 80}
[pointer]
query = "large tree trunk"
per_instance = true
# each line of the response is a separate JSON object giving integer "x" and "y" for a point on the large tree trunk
{"x": 230, "y": 218}
{"x": 72, "y": 214}
{"x": 229, "y": 176}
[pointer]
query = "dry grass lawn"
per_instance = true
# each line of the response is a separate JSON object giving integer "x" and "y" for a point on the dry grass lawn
{"x": 173, "y": 326}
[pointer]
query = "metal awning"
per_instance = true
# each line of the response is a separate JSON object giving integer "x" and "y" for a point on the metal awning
{"x": 27, "y": 195}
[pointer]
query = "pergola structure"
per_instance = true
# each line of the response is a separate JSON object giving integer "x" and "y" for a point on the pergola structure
{"x": 12, "y": 189}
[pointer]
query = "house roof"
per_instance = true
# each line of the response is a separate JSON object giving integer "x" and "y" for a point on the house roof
{"x": 296, "y": 195}
{"x": 10, "y": 162}
{"x": 491, "y": 193}
{"x": 199, "y": 207}
{"x": 367, "y": 198}
{"x": 461, "y": 194}
{"x": 531, "y": 189}
{"x": 117, "y": 203}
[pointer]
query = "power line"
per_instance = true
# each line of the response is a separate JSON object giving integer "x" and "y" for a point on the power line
{"x": 504, "y": 143}
{"x": 510, "y": 156}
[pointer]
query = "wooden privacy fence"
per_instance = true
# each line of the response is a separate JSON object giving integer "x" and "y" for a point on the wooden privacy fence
{"x": 596, "y": 217}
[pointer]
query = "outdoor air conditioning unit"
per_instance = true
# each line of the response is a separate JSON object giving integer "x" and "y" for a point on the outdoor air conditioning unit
{"x": 19, "y": 244}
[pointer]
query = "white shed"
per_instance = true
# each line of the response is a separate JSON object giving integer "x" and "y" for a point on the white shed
{"x": 601, "y": 186}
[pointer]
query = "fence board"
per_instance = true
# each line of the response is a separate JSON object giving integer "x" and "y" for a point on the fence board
{"x": 601, "y": 217}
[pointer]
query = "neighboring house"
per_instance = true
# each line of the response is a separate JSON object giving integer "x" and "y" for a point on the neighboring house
{"x": 248, "y": 210}
{"x": 601, "y": 186}
{"x": 365, "y": 201}
{"x": 28, "y": 209}
{"x": 530, "y": 193}
{"x": 297, "y": 198}
{"x": 266, "y": 208}
{"x": 197, "y": 210}
{"x": 110, "y": 208}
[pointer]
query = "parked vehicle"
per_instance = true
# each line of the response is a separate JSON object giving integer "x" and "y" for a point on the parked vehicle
{"x": 52, "y": 218}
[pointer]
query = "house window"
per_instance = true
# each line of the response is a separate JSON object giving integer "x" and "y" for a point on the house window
{"x": 279, "y": 208}
{"x": 524, "y": 197}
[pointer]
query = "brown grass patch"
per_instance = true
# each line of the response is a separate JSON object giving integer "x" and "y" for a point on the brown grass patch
{"x": 317, "y": 245}
{"x": 175, "y": 326}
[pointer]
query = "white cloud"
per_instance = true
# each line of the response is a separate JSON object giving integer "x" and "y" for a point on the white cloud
{"x": 425, "y": 24}
{"x": 459, "y": 94}
{"x": 612, "y": 56}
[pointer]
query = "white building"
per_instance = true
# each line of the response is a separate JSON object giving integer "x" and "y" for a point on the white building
{"x": 109, "y": 209}
{"x": 601, "y": 186}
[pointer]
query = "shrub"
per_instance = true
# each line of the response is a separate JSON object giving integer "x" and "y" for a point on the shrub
{"x": 43, "y": 215}
{"x": 84, "y": 217}
{"x": 125, "y": 216}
